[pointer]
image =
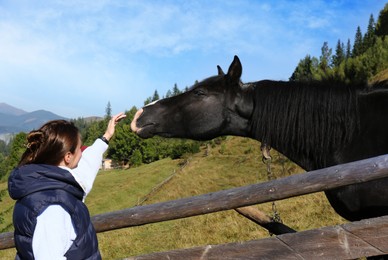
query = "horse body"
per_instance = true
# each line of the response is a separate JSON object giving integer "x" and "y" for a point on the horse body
{"x": 313, "y": 124}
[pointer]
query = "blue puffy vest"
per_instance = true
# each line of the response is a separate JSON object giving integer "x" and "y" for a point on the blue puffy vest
{"x": 35, "y": 187}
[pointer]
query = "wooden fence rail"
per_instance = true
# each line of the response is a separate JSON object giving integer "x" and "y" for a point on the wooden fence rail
{"x": 291, "y": 186}
{"x": 348, "y": 241}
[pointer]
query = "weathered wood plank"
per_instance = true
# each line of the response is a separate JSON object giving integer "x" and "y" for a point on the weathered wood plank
{"x": 6, "y": 240}
{"x": 269, "y": 248}
{"x": 335, "y": 242}
{"x": 263, "y": 220}
{"x": 374, "y": 236}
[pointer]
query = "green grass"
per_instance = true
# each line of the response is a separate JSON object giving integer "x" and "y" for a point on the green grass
{"x": 234, "y": 163}
{"x": 118, "y": 189}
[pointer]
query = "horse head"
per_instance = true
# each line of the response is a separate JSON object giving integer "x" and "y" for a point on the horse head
{"x": 218, "y": 105}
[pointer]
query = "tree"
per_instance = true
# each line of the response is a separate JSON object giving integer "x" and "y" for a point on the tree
{"x": 17, "y": 144}
{"x": 354, "y": 70}
{"x": 357, "y": 46}
{"x": 375, "y": 59}
{"x": 369, "y": 37}
{"x": 368, "y": 57}
{"x": 175, "y": 90}
{"x": 3, "y": 148}
{"x": 123, "y": 144}
{"x": 182, "y": 147}
{"x": 339, "y": 55}
{"x": 168, "y": 94}
{"x": 130, "y": 115}
{"x": 155, "y": 97}
{"x": 305, "y": 69}
{"x": 136, "y": 158}
{"x": 3, "y": 163}
{"x": 348, "y": 50}
{"x": 147, "y": 101}
{"x": 324, "y": 59}
{"x": 382, "y": 22}
{"x": 95, "y": 130}
{"x": 108, "y": 111}
{"x": 82, "y": 125}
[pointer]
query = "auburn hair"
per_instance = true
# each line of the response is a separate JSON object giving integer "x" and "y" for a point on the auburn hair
{"x": 50, "y": 143}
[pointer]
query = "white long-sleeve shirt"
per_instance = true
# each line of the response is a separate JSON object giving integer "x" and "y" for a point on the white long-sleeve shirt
{"x": 54, "y": 232}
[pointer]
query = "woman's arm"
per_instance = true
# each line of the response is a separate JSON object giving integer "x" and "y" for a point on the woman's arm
{"x": 87, "y": 169}
{"x": 89, "y": 165}
{"x": 53, "y": 235}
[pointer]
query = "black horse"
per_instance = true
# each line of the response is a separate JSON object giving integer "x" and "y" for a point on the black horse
{"x": 315, "y": 124}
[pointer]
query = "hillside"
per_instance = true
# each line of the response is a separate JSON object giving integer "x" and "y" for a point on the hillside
{"x": 382, "y": 76}
{"x": 233, "y": 163}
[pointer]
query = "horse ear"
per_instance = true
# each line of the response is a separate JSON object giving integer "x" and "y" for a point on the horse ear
{"x": 235, "y": 69}
{"x": 220, "y": 71}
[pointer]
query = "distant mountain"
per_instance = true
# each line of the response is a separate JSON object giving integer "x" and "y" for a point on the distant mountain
{"x": 10, "y": 110}
{"x": 15, "y": 120}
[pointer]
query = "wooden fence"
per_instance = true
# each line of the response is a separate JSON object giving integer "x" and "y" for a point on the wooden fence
{"x": 352, "y": 240}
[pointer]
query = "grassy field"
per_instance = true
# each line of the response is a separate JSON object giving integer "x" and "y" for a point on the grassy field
{"x": 235, "y": 162}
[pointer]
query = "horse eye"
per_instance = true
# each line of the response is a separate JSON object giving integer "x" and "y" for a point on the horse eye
{"x": 199, "y": 92}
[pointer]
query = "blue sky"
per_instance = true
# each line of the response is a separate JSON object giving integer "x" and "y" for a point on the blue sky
{"x": 72, "y": 57}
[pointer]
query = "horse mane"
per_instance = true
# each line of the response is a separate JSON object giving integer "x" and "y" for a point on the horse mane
{"x": 312, "y": 119}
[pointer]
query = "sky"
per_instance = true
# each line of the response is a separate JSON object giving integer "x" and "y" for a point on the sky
{"x": 73, "y": 57}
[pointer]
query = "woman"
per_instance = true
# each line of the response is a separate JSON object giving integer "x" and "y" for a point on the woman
{"x": 50, "y": 184}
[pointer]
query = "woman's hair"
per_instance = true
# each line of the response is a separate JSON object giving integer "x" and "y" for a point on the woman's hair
{"x": 50, "y": 143}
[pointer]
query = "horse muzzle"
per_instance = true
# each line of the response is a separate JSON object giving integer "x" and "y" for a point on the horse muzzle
{"x": 134, "y": 127}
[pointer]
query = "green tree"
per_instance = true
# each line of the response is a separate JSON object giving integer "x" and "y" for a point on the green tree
{"x": 354, "y": 71}
{"x": 147, "y": 101}
{"x": 375, "y": 59}
{"x": 124, "y": 141}
{"x": 150, "y": 149}
{"x": 348, "y": 50}
{"x": 369, "y": 37}
{"x": 136, "y": 158}
{"x": 3, "y": 148}
{"x": 18, "y": 146}
{"x": 108, "y": 111}
{"x": 123, "y": 144}
{"x": 94, "y": 130}
{"x": 368, "y": 57}
{"x": 130, "y": 115}
{"x": 382, "y": 22}
{"x": 182, "y": 147}
{"x": 3, "y": 168}
{"x": 324, "y": 59}
{"x": 155, "y": 96}
{"x": 305, "y": 70}
{"x": 168, "y": 94}
{"x": 82, "y": 125}
{"x": 175, "y": 90}
{"x": 358, "y": 43}
{"x": 339, "y": 55}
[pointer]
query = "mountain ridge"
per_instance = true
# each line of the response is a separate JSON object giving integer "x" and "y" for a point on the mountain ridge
{"x": 14, "y": 120}
{"x": 8, "y": 109}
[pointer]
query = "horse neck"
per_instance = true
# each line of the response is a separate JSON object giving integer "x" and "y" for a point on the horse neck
{"x": 305, "y": 123}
